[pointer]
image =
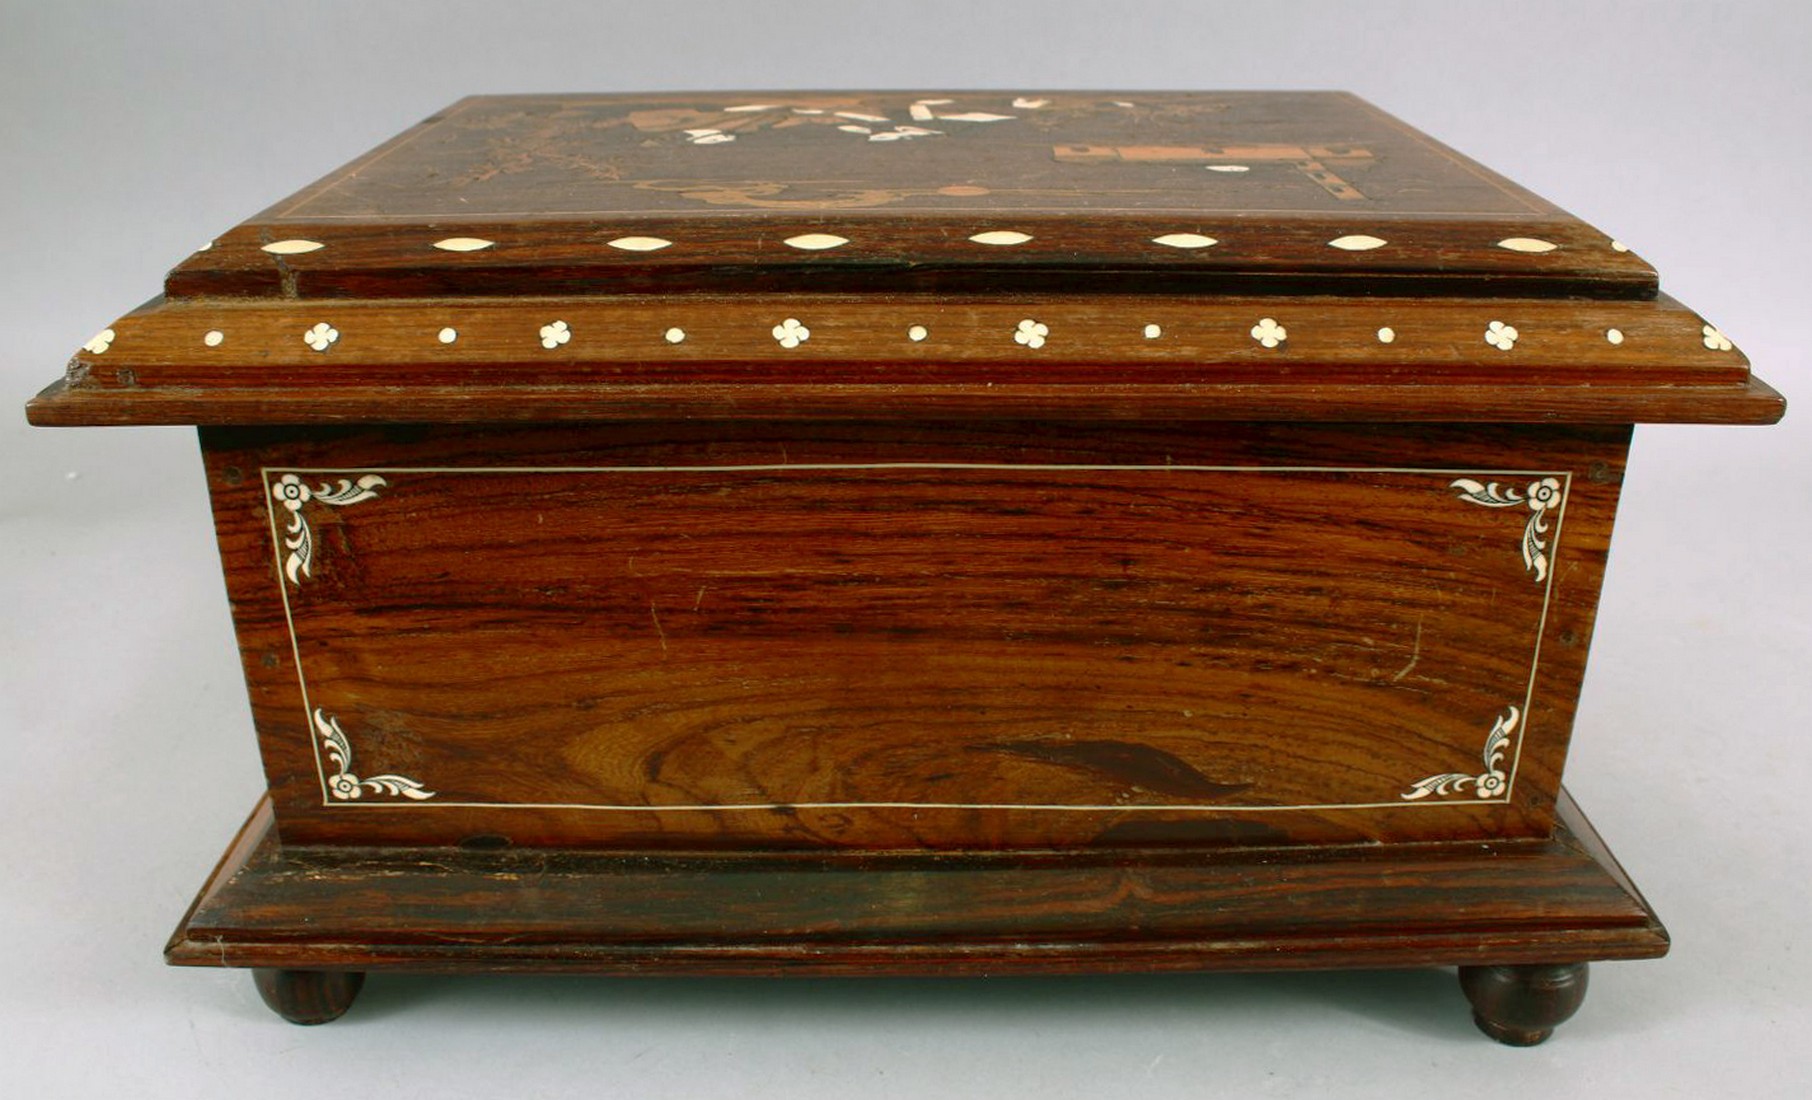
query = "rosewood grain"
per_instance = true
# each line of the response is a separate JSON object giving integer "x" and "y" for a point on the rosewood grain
{"x": 823, "y": 635}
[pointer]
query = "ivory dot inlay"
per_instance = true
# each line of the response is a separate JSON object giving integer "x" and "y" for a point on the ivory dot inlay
{"x": 1619, "y": 246}
{"x": 1031, "y": 333}
{"x": 640, "y": 244}
{"x": 555, "y": 333}
{"x": 1527, "y": 244}
{"x": 1500, "y": 336}
{"x": 917, "y": 333}
{"x": 1387, "y": 335}
{"x": 816, "y": 242}
{"x": 1001, "y": 237}
{"x": 294, "y": 247}
{"x": 447, "y": 335}
{"x": 100, "y": 343}
{"x": 1357, "y": 242}
{"x": 1269, "y": 333}
{"x": 214, "y": 338}
{"x": 674, "y": 335}
{"x": 1152, "y": 332}
{"x": 790, "y": 333}
{"x": 1185, "y": 240}
{"x": 1614, "y": 335}
{"x": 463, "y": 244}
{"x": 321, "y": 337}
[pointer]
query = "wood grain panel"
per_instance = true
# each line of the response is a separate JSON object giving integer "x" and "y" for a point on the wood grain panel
{"x": 908, "y": 637}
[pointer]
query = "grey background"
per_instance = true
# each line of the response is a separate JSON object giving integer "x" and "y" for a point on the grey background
{"x": 132, "y": 133}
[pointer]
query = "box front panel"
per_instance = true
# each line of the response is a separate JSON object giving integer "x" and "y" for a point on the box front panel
{"x": 808, "y": 636}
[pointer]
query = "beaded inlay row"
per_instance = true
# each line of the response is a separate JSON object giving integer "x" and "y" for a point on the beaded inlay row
{"x": 998, "y": 238}
{"x": 1029, "y": 333}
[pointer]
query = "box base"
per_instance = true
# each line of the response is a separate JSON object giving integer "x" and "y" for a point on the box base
{"x": 1520, "y": 918}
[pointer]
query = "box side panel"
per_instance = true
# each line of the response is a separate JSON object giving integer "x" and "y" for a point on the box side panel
{"x": 1015, "y": 636}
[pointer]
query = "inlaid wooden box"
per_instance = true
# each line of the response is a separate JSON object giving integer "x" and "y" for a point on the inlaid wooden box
{"x": 892, "y": 533}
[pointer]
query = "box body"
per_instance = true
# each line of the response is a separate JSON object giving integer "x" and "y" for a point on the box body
{"x": 1008, "y": 635}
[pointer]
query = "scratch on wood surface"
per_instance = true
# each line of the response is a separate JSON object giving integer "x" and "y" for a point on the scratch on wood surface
{"x": 656, "y": 616}
{"x": 1414, "y": 657}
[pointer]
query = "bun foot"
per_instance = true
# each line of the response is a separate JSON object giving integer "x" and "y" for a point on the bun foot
{"x": 308, "y": 996}
{"x": 1522, "y": 1005}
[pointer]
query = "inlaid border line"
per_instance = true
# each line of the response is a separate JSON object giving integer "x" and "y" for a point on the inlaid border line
{"x": 1516, "y": 759}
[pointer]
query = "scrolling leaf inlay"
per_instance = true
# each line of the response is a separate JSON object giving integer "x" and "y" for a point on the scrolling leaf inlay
{"x": 1489, "y": 784}
{"x": 292, "y": 492}
{"x": 343, "y": 784}
{"x": 1542, "y": 497}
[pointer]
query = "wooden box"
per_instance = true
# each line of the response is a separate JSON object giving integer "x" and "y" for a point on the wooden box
{"x": 891, "y": 533}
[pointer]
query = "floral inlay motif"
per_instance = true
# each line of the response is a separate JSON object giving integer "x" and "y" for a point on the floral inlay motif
{"x": 1542, "y": 497}
{"x": 1269, "y": 333}
{"x": 346, "y": 786}
{"x": 555, "y": 333}
{"x": 1489, "y": 784}
{"x": 1714, "y": 339}
{"x": 1500, "y": 336}
{"x": 790, "y": 333}
{"x": 100, "y": 343}
{"x": 292, "y": 492}
{"x": 1031, "y": 333}
{"x": 321, "y": 336}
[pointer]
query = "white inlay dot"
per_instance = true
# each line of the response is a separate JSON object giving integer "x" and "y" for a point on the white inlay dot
{"x": 293, "y": 247}
{"x": 1614, "y": 335}
{"x": 214, "y": 338}
{"x": 674, "y": 335}
{"x": 790, "y": 333}
{"x": 1387, "y": 335}
{"x": 1152, "y": 332}
{"x": 448, "y": 335}
{"x": 1619, "y": 246}
{"x": 321, "y": 336}
{"x": 917, "y": 333}
{"x": 1001, "y": 237}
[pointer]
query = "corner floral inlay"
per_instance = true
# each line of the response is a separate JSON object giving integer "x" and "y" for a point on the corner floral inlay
{"x": 1542, "y": 497}
{"x": 343, "y": 784}
{"x": 292, "y": 492}
{"x": 1488, "y": 784}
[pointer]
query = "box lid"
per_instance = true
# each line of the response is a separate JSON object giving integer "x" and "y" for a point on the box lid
{"x": 1253, "y": 255}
